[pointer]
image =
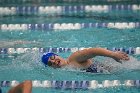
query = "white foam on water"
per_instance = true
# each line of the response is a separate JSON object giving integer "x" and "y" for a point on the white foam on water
{"x": 132, "y": 64}
{"x": 27, "y": 60}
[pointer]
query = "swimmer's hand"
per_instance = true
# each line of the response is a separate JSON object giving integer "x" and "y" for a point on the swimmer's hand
{"x": 119, "y": 56}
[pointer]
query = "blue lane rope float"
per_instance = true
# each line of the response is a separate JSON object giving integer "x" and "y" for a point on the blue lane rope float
{"x": 68, "y": 26}
{"x": 61, "y": 10}
{"x": 55, "y": 1}
{"x": 93, "y": 84}
{"x": 4, "y": 51}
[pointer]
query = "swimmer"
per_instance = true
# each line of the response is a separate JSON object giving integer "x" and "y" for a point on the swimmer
{"x": 82, "y": 59}
{"x": 24, "y": 87}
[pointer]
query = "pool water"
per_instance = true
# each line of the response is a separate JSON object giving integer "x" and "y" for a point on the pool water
{"x": 28, "y": 66}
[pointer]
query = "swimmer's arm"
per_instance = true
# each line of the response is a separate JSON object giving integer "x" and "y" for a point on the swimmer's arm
{"x": 24, "y": 87}
{"x": 83, "y": 55}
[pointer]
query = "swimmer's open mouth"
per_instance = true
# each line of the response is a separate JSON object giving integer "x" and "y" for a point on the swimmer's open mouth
{"x": 58, "y": 62}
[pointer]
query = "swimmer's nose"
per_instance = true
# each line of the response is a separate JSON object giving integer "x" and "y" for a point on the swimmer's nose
{"x": 54, "y": 62}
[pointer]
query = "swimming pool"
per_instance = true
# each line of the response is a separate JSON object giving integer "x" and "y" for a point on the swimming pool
{"x": 28, "y": 32}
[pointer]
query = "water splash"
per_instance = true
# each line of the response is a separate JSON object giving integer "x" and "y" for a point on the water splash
{"x": 27, "y": 61}
{"x": 125, "y": 66}
{"x": 133, "y": 64}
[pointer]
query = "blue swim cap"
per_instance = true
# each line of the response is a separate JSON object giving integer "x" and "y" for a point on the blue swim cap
{"x": 46, "y": 56}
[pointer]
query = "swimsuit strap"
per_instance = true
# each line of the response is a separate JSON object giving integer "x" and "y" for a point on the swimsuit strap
{"x": 92, "y": 68}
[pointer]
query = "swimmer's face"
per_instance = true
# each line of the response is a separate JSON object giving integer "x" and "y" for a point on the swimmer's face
{"x": 56, "y": 61}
